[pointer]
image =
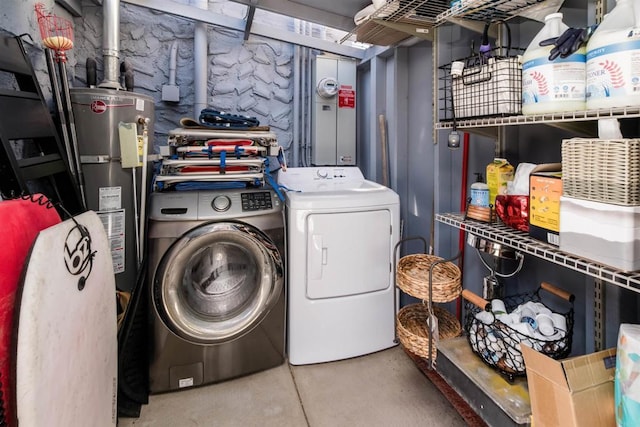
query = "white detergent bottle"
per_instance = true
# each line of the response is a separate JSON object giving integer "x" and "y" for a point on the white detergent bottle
{"x": 613, "y": 59}
{"x": 552, "y": 86}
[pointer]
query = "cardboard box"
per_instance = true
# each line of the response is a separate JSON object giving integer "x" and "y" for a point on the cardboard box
{"x": 577, "y": 391}
{"x": 545, "y": 189}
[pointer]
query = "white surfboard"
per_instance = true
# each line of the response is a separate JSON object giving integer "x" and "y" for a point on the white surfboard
{"x": 66, "y": 364}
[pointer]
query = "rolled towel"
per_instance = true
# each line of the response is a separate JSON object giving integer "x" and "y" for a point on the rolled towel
{"x": 364, "y": 14}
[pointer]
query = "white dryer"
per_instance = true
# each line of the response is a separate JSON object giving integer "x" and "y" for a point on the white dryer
{"x": 341, "y": 233}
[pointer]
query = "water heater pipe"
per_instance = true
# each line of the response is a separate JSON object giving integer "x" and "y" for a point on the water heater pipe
{"x": 173, "y": 61}
{"x": 295, "y": 143}
{"x": 111, "y": 44}
{"x": 200, "y": 53}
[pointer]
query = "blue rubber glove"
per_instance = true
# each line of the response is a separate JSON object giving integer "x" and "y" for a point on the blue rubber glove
{"x": 568, "y": 42}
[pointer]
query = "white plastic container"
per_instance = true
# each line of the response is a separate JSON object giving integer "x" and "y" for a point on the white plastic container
{"x": 552, "y": 86}
{"x": 613, "y": 59}
{"x": 605, "y": 233}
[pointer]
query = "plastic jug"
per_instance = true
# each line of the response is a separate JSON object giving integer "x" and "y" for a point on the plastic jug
{"x": 479, "y": 192}
{"x": 613, "y": 59}
{"x": 552, "y": 86}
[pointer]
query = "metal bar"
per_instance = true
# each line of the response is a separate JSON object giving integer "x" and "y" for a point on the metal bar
{"x": 600, "y": 10}
{"x": 55, "y": 88}
{"x": 395, "y": 284}
{"x": 599, "y": 290}
{"x": 522, "y": 242}
{"x": 74, "y": 7}
{"x": 199, "y": 15}
{"x": 430, "y": 303}
{"x": 573, "y": 116}
{"x": 599, "y": 315}
{"x": 249, "y": 22}
{"x": 304, "y": 10}
{"x": 72, "y": 133}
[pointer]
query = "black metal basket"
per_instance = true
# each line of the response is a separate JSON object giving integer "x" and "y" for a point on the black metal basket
{"x": 489, "y": 85}
{"x": 498, "y": 344}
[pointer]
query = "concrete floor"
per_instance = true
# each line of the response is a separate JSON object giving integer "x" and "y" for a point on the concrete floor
{"x": 381, "y": 389}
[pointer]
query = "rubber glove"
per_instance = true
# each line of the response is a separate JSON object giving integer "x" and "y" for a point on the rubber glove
{"x": 568, "y": 42}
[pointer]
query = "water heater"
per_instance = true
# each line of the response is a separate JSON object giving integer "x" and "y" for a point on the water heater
{"x": 112, "y": 190}
{"x": 334, "y": 112}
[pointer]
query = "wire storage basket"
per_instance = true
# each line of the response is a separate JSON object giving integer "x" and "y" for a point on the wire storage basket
{"x": 602, "y": 170}
{"x": 497, "y": 341}
{"x": 414, "y": 328}
{"x": 484, "y": 84}
{"x": 412, "y": 276}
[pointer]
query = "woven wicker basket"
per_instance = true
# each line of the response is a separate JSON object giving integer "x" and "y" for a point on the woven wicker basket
{"x": 413, "y": 331}
{"x": 412, "y": 276}
{"x": 602, "y": 170}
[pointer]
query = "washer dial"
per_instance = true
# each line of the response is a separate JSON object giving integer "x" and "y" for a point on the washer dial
{"x": 221, "y": 204}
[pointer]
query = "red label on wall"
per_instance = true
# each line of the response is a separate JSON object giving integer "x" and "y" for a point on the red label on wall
{"x": 346, "y": 97}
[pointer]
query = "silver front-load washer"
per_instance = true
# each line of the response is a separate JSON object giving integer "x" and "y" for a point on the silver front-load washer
{"x": 217, "y": 293}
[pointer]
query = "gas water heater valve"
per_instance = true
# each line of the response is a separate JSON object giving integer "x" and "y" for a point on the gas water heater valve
{"x": 327, "y": 87}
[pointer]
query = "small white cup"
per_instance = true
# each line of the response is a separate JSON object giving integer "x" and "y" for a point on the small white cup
{"x": 456, "y": 68}
{"x": 545, "y": 324}
{"x": 559, "y": 321}
{"x": 485, "y": 317}
{"x": 497, "y": 307}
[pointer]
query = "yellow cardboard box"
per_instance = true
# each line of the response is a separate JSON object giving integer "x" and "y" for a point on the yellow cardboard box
{"x": 499, "y": 172}
{"x": 545, "y": 189}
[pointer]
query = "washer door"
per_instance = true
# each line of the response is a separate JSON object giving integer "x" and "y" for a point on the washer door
{"x": 218, "y": 282}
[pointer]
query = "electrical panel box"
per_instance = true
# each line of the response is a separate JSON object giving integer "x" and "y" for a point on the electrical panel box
{"x": 334, "y": 112}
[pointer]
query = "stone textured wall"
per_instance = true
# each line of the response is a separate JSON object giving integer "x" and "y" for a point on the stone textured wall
{"x": 252, "y": 77}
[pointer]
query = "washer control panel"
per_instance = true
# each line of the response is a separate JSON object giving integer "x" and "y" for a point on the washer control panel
{"x": 212, "y": 205}
{"x": 256, "y": 201}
